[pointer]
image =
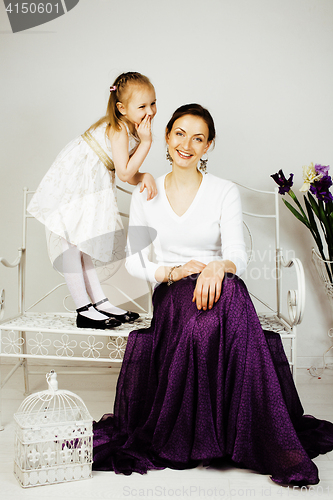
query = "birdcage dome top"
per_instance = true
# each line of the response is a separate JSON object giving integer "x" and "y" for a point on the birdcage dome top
{"x": 51, "y": 406}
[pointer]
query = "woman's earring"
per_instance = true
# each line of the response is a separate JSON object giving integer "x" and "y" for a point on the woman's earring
{"x": 203, "y": 165}
{"x": 168, "y": 156}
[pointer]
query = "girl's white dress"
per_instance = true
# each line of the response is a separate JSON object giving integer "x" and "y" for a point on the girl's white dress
{"x": 76, "y": 199}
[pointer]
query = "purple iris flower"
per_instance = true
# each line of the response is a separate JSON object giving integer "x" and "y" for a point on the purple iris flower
{"x": 322, "y": 169}
{"x": 284, "y": 184}
{"x": 321, "y": 187}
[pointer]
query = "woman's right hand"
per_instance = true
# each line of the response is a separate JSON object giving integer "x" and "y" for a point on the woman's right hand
{"x": 192, "y": 267}
{"x": 144, "y": 130}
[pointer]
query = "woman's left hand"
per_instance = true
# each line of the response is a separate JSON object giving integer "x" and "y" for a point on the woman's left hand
{"x": 209, "y": 283}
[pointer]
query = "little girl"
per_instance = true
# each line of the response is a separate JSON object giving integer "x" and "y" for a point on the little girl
{"x": 76, "y": 199}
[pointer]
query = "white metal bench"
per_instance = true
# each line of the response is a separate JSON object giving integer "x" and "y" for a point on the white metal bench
{"x": 267, "y": 264}
{"x": 52, "y": 336}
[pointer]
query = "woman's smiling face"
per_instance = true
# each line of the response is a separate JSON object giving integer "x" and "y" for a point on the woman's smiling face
{"x": 188, "y": 141}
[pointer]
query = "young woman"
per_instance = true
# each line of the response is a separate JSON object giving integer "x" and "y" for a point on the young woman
{"x": 204, "y": 382}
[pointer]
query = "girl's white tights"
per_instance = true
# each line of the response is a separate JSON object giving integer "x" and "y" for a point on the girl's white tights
{"x": 75, "y": 278}
{"x": 94, "y": 288}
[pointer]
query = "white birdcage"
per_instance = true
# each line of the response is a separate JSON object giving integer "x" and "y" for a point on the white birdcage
{"x": 53, "y": 437}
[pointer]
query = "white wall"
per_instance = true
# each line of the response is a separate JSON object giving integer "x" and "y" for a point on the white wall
{"x": 264, "y": 68}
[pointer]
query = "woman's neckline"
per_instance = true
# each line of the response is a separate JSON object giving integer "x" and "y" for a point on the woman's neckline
{"x": 192, "y": 205}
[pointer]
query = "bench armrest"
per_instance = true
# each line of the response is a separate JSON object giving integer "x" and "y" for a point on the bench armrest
{"x": 15, "y": 263}
{"x": 295, "y": 298}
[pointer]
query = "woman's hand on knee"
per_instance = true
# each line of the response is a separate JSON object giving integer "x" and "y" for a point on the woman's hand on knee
{"x": 162, "y": 274}
{"x": 209, "y": 284}
{"x": 192, "y": 267}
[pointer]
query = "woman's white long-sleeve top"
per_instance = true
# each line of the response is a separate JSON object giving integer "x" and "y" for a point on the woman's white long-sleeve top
{"x": 210, "y": 229}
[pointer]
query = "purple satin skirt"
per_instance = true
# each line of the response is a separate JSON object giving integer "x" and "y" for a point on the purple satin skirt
{"x": 201, "y": 386}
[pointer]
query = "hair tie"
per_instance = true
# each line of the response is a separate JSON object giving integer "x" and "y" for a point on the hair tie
{"x": 114, "y": 88}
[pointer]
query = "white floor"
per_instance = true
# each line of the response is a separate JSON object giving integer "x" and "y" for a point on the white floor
{"x": 98, "y": 392}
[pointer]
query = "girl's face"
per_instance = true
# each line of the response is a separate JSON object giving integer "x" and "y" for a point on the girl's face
{"x": 141, "y": 102}
{"x": 188, "y": 141}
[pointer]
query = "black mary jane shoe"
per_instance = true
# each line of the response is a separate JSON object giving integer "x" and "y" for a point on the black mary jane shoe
{"x": 96, "y": 324}
{"x": 127, "y": 317}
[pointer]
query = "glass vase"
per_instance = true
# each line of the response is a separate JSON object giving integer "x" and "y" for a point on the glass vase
{"x": 325, "y": 272}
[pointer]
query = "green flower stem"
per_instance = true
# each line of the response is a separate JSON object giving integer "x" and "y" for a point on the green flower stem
{"x": 310, "y": 223}
{"x": 294, "y": 197}
{"x": 299, "y": 216}
{"x": 329, "y": 208}
{"x": 318, "y": 218}
{"x": 319, "y": 210}
{"x": 313, "y": 226}
{"x": 326, "y": 222}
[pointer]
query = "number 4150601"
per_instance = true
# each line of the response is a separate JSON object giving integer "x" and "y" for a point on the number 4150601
{"x": 33, "y": 8}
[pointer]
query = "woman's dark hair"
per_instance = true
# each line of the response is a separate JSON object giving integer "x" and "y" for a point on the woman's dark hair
{"x": 195, "y": 110}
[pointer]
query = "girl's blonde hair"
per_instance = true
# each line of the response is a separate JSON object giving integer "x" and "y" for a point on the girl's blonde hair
{"x": 124, "y": 85}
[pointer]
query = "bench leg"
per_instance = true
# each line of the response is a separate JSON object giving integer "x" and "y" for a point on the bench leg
{"x": 26, "y": 377}
{"x": 25, "y": 365}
